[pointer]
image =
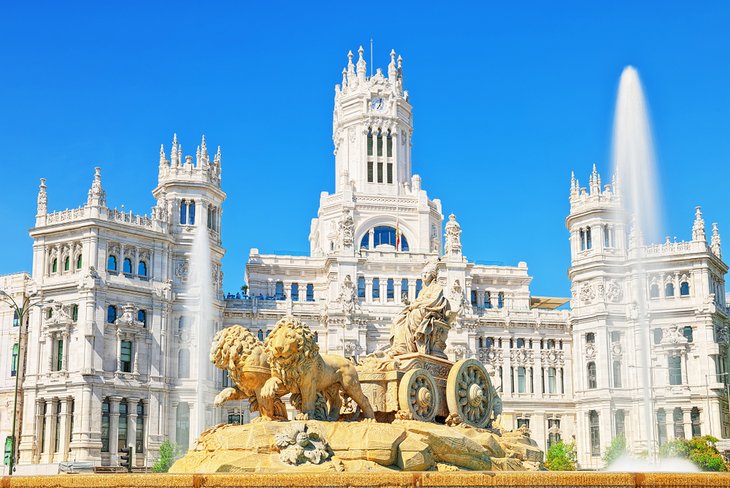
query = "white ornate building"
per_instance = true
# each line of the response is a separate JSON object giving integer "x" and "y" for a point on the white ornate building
{"x": 117, "y": 356}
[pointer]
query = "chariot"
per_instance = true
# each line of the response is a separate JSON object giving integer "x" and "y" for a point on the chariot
{"x": 429, "y": 388}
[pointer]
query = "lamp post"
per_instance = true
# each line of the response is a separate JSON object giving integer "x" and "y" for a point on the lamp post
{"x": 30, "y": 299}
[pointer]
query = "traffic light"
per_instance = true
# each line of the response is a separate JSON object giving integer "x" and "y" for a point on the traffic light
{"x": 125, "y": 458}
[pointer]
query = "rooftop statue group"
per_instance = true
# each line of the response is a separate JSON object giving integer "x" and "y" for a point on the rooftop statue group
{"x": 411, "y": 378}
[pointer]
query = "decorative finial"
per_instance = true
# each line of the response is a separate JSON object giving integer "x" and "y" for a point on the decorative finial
{"x": 573, "y": 189}
{"x": 400, "y": 62}
{"x": 344, "y": 79}
{"x": 392, "y": 69}
{"x": 361, "y": 65}
{"x": 595, "y": 181}
{"x": 42, "y": 198}
{"x": 698, "y": 226}
{"x": 715, "y": 241}
{"x": 97, "y": 196}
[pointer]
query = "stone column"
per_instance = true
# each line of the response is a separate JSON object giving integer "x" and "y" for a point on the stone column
{"x": 64, "y": 426}
{"x": 411, "y": 290}
{"x": 48, "y": 438}
{"x": 398, "y": 290}
{"x": 132, "y": 424}
{"x": 114, "y": 427}
{"x": 66, "y": 345}
{"x": 384, "y": 290}
{"x": 118, "y": 359}
{"x": 135, "y": 352}
{"x": 368, "y": 290}
{"x": 687, "y": 421}
{"x": 371, "y": 233}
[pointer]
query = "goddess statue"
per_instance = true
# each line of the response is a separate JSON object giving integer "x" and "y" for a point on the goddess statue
{"x": 423, "y": 325}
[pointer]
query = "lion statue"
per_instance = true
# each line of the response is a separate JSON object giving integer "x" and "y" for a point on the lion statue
{"x": 298, "y": 367}
{"x": 242, "y": 355}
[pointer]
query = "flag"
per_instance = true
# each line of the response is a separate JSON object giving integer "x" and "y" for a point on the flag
{"x": 397, "y": 237}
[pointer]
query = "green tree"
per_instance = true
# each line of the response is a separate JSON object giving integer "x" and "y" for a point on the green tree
{"x": 615, "y": 450}
{"x": 168, "y": 453}
{"x": 700, "y": 450}
{"x": 561, "y": 457}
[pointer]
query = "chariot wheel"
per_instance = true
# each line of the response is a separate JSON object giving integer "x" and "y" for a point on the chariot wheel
{"x": 417, "y": 395}
{"x": 469, "y": 392}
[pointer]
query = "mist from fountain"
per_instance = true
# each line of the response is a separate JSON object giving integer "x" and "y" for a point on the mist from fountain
{"x": 200, "y": 290}
{"x": 635, "y": 168}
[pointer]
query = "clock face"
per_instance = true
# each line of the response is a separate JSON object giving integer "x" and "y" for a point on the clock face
{"x": 377, "y": 103}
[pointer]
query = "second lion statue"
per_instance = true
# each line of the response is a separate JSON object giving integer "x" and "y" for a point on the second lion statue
{"x": 298, "y": 367}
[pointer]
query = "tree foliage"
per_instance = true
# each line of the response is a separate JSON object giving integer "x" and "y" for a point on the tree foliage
{"x": 615, "y": 450}
{"x": 168, "y": 453}
{"x": 700, "y": 450}
{"x": 561, "y": 457}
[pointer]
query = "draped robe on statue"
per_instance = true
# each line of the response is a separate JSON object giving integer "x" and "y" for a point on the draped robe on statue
{"x": 413, "y": 329}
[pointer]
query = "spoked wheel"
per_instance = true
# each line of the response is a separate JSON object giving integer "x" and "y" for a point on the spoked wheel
{"x": 417, "y": 395}
{"x": 469, "y": 392}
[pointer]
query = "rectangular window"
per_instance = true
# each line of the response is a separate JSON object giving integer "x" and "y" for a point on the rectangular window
{"x": 380, "y": 143}
{"x": 104, "y": 427}
{"x": 390, "y": 290}
{"x": 553, "y": 431}
{"x": 380, "y": 172}
{"x": 125, "y": 357}
{"x": 521, "y": 380}
{"x": 57, "y": 439}
{"x": 523, "y": 423}
{"x": 14, "y": 360}
{"x": 390, "y": 172}
{"x": 390, "y": 146}
{"x": 59, "y": 354}
{"x": 619, "y": 417}
{"x": 370, "y": 171}
{"x": 376, "y": 288}
{"x": 361, "y": 287}
{"x": 139, "y": 435}
{"x": 552, "y": 380}
{"x": 310, "y": 292}
{"x": 122, "y": 439}
{"x": 675, "y": 370}
{"x": 370, "y": 143}
{"x": 295, "y": 292}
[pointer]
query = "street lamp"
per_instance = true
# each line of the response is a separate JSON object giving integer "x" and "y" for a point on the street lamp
{"x": 30, "y": 299}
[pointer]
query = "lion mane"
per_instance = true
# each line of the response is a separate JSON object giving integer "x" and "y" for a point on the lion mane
{"x": 290, "y": 370}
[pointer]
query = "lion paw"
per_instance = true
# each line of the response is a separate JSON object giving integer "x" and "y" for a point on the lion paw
{"x": 302, "y": 416}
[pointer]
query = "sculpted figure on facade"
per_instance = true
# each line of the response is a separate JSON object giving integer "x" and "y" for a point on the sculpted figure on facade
{"x": 348, "y": 296}
{"x": 453, "y": 237}
{"x": 237, "y": 351}
{"x": 423, "y": 325}
{"x": 42, "y": 198}
{"x": 347, "y": 230}
{"x": 297, "y": 367}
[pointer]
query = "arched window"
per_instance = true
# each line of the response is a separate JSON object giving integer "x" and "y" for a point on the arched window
{"x": 210, "y": 216}
{"x": 669, "y": 289}
{"x": 582, "y": 240}
{"x": 617, "y": 374}
{"x": 606, "y": 237}
{"x": 520, "y": 343}
{"x": 403, "y": 289}
{"x": 111, "y": 263}
{"x": 182, "y": 426}
{"x": 687, "y": 333}
{"x": 139, "y": 434}
{"x": 260, "y": 335}
{"x": 376, "y": 289}
{"x": 654, "y": 291}
{"x": 592, "y": 380}
{"x": 489, "y": 342}
{"x": 380, "y": 143}
{"x": 389, "y": 164}
{"x": 370, "y": 141}
{"x": 295, "y": 292}
{"x": 678, "y": 420}
{"x": 183, "y": 212}
{"x": 474, "y": 298}
{"x": 589, "y": 240}
{"x": 14, "y": 360}
{"x": 481, "y": 342}
{"x": 389, "y": 149}
{"x": 127, "y": 266}
{"x": 279, "y": 290}
{"x": 658, "y": 335}
{"x": 74, "y": 312}
{"x": 371, "y": 172}
{"x": 675, "y": 370}
{"x": 361, "y": 287}
{"x": 111, "y": 314}
{"x": 122, "y": 433}
{"x": 183, "y": 363}
{"x": 595, "y": 433}
{"x": 390, "y": 290}
{"x": 142, "y": 269}
{"x": 142, "y": 317}
{"x": 695, "y": 418}
{"x": 105, "y": 425}
{"x": 551, "y": 344}
{"x": 384, "y": 235}
{"x": 79, "y": 261}
{"x": 310, "y": 292}
{"x": 54, "y": 265}
{"x": 487, "y": 299}
{"x": 661, "y": 421}
{"x": 191, "y": 212}
{"x": 684, "y": 289}
{"x": 67, "y": 263}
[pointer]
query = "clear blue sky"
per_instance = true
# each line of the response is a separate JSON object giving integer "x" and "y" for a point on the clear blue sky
{"x": 508, "y": 97}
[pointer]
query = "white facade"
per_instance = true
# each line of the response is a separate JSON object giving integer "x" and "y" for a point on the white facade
{"x": 116, "y": 351}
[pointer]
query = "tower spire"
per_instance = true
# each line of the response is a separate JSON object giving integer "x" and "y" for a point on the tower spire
{"x": 361, "y": 66}
{"x": 392, "y": 68}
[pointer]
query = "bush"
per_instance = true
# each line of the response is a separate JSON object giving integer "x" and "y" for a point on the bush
{"x": 700, "y": 450}
{"x": 561, "y": 457}
{"x": 615, "y": 450}
{"x": 168, "y": 454}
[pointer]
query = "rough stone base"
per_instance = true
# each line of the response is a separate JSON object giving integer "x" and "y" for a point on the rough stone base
{"x": 357, "y": 447}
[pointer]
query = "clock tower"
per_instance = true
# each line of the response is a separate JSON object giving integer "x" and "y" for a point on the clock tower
{"x": 372, "y": 128}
